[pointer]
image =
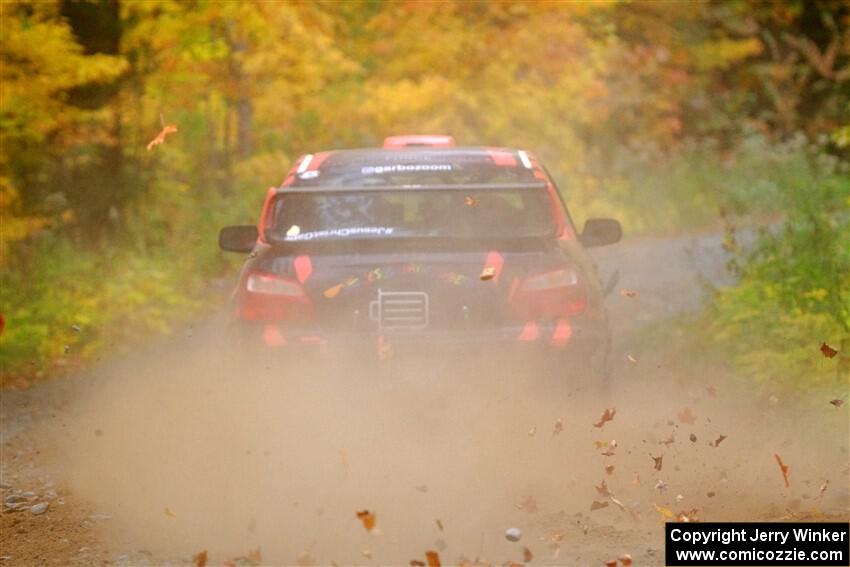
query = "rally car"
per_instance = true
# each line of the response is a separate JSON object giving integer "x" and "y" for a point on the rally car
{"x": 421, "y": 242}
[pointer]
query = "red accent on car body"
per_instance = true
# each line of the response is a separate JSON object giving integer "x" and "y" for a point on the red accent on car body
{"x": 562, "y": 334}
{"x": 495, "y": 261}
{"x": 419, "y": 140}
{"x": 529, "y": 333}
{"x": 273, "y": 337}
{"x": 264, "y": 215}
{"x": 503, "y": 157}
{"x": 303, "y": 267}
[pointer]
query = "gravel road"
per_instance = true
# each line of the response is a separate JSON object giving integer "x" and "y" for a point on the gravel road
{"x": 151, "y": 457}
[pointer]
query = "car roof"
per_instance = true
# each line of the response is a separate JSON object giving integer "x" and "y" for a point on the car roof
{"x": 416, "y": 153}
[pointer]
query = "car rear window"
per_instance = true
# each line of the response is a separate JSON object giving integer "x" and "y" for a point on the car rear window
{"x": 450, "y": 213}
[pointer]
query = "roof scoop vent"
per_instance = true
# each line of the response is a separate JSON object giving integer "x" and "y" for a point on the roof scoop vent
{"x": 420, "y": 140}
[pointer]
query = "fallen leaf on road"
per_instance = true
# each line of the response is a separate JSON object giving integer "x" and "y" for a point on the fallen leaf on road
{"x": 609, "y": 469}
{"x": 827, "y": 350}
{"x": 598, "y": 505}
{"x": 255, "y": 555}
{"x": 527, "y": 556}
{"x": 528, "y": 504}
{"x": 823, "y": 488}
{"x": 693, "y": 438}
{"x": 636, "y": 480}
{"x": 532, "y": 431}
{"x": 471, "y": 201}
{"x": 631, "y": 359}
{"x": 433, "y": 558}
{"x": 612, "y": 563}
{"x": 630, "y": 293}
{"x": 617, "y": 503}
{"x": 625, "y": 559}
{"x": 784, "y": 468}
{"x": 602, "y": 489}
{"x": 559, "y": 426}
{"x": 367, "y": 553}
{"x": 688, "y": 516}
{"x": 837, "y": 403}
{"x": 416, "y": 563}
{"x": 487, "y": 273}
{"x": 717, "y": 441}
{"x": 439, "y": 524}
{"x": 660, "y": 486}
{"x": 607, "y": 415}
{"x": 200, "y": 558}
{"x": 669, "y": 441}
{"x": 368, "y": 519}
{"x": 665, "y": 512}
{"x": 659, "y": 461}
{"x": 687, "y": 416}
{"x": 170, "y": 513}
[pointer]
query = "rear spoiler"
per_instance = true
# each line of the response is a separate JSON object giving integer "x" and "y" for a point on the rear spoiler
{"x": 454, "y": 187}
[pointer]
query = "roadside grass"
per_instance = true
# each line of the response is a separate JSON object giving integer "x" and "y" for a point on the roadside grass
{"x": 66, "y": 300}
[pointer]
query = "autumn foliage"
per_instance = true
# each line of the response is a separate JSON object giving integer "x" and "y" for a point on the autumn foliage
{"x": 666, "y": 115}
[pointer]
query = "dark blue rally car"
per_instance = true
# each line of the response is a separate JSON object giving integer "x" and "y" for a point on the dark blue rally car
{"x": 421, "y": 242}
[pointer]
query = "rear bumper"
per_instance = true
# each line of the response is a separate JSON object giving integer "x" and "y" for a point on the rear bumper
{"x": 550, "y": 338}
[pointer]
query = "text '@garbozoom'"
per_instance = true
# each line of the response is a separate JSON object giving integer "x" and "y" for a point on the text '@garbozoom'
{"x": 744, "y": 543}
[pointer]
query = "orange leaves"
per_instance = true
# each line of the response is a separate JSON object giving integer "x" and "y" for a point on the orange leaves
{"x": 527, "y": 556}
{"x": 368, "y": 519}
{"x": 609, "y": 469}
{"x": 433, "y": 558}
{"x": 630, "y": 293}
{"x": 160, "y": 138}
{"x": 827, "y": 350}
{"x": 607, "y": 416}
{"x": 783, "y": 468}
{"x": 658, "y": 461}
{"x": 200, "y": 558}
{"x": 602, "y": 489}
{"x": 471, "y": 201}
{"x": 687, "y": 416}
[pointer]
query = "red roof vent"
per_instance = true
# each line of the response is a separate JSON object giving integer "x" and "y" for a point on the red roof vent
{"x": 426, "y": 140}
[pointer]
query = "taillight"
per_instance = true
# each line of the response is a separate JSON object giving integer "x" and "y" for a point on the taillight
{"x": 273, "y": 285}
{"x": 550, "y": 280}
{"x": 555, "y": 294}
{"x": 272, "y": 298}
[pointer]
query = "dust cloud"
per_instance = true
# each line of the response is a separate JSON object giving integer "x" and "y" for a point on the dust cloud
{"x": 190, "y": 446}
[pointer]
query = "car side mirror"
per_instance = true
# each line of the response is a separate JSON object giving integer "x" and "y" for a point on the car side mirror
{"x": 599, "y": 232}
{"x": 240, "y": 238}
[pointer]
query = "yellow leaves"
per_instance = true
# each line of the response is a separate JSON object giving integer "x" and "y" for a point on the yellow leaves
{"x": 666, "y": 513}
{"x": 368, "y": 519}
{"x": 725, "y": 52}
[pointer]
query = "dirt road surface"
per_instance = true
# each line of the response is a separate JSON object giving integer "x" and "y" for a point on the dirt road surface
{"x": 151, "y": 457}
